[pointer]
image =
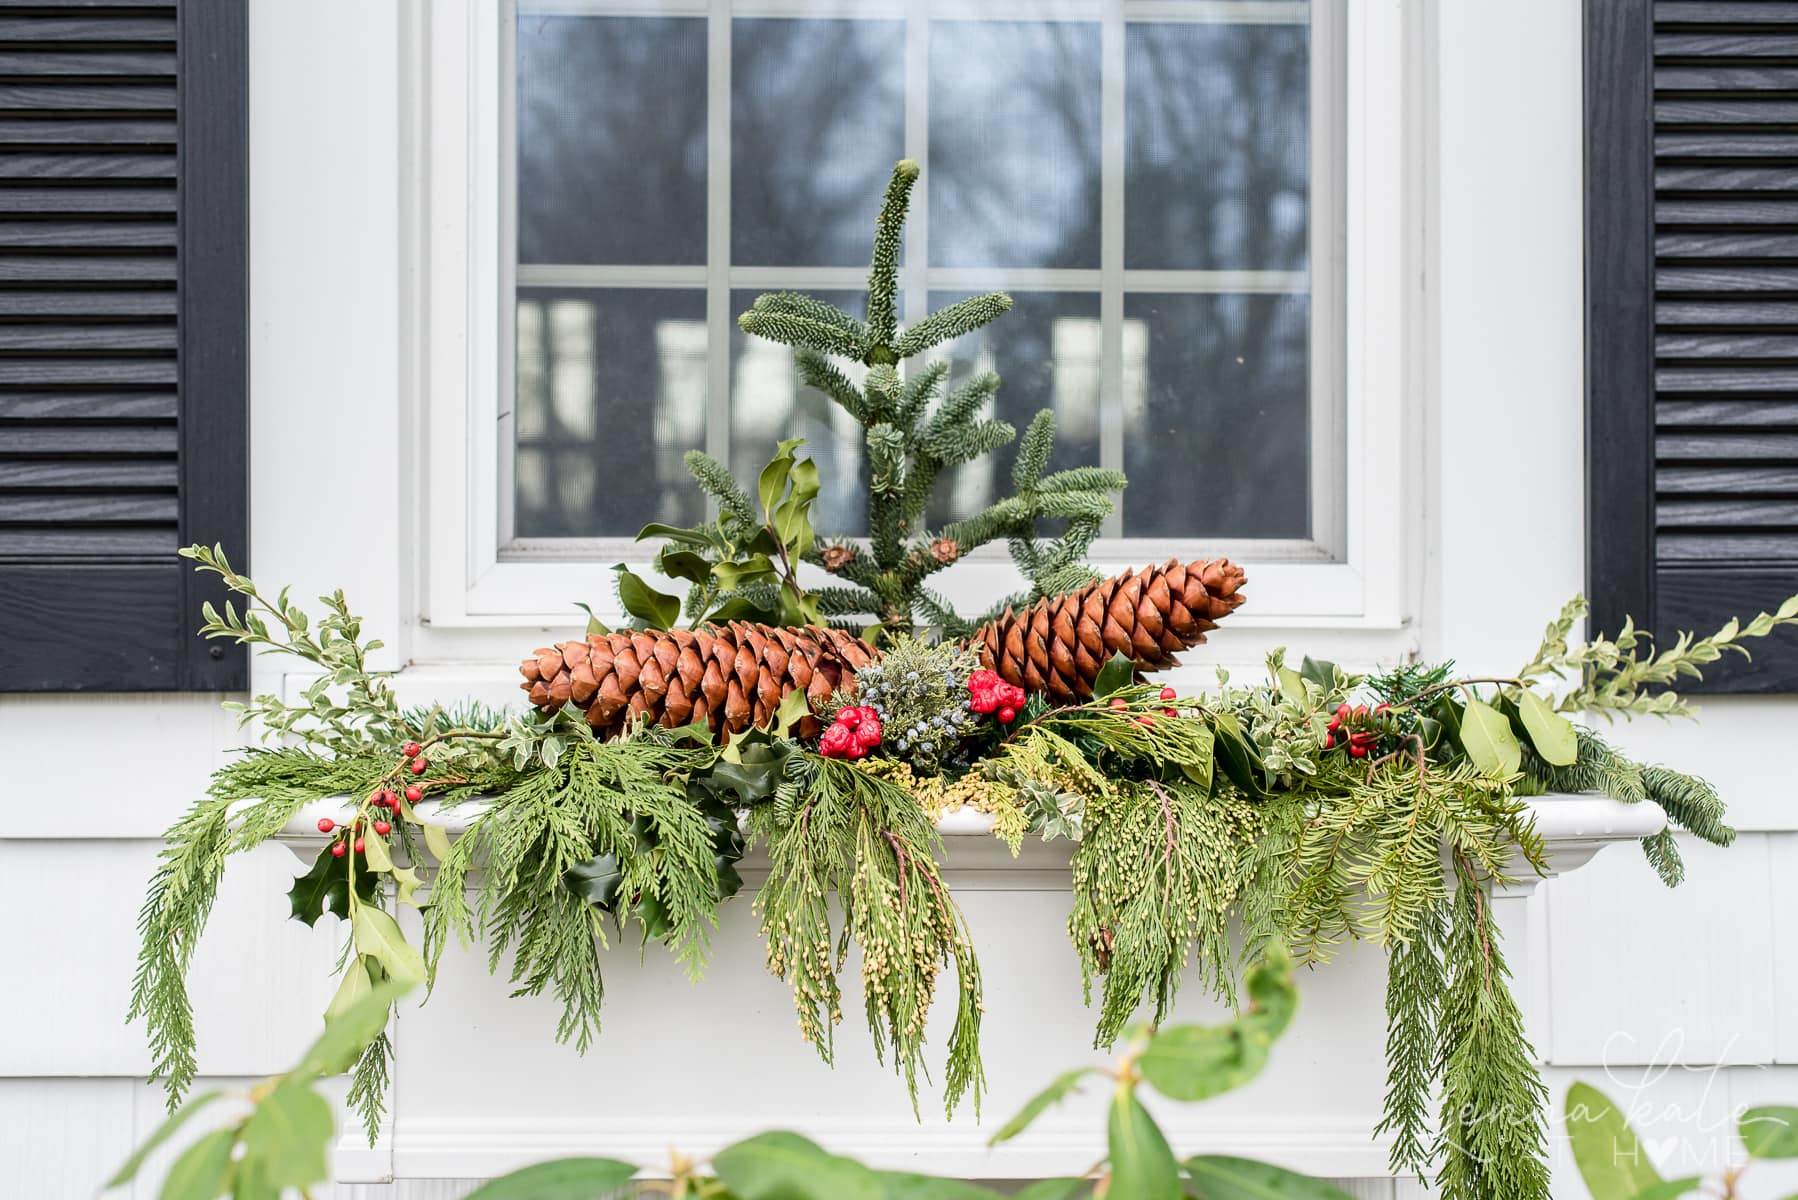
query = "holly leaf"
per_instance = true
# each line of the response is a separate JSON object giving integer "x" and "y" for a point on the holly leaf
{"x": 1118, "y": 673}
{"x": 437, "y": 841}
{"x": 757, "y": 568}
{"x": 740, "y": 608}
{"x": 1234, "y": 753}
{"x": 674, "y": 533}
{"x": 683, "y": 564}
{"x": 597, "y": 881}
{"x": 326, "y": 888}
{"x": 1487, "y": 737}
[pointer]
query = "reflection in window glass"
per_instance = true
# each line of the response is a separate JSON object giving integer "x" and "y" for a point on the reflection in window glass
{"x": 1046, "y": 351}
{"x": 817, "y": 121}
{"x": 1215, "y": 416}
{"x": 770, "y": 405}
{"x": 1157, "y": 246}
{"x": 611, "y": 139}
{"x": 611, "y": 394}
{"x": 1014, "y": 144}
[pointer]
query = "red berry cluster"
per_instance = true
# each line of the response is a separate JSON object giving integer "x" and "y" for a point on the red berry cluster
{"x": 988, "y": 693}
{"x": 1359, "y": 741}
{"x": 856, "y": 731}
{"x": 1119, "y": 704}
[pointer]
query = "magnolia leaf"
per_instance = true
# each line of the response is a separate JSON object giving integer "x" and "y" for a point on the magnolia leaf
{"x": 1551, "y": 734}
{"x": 1610, "y": 1158}
{"x": 1488, "y": 740}
{"x": 757, "y": 568}
{"x": 656, "y": 609}
{"x": 1037, "y": 1105}
{"x": 375, "y": 854}
{"x": 674, "y": 533}
{"x": 1142, "y": 1165}
{"x": 785, "y": 1166}
{"x": 1220, "y": 1177}
{"x": 346, "y": 1036}
{"x": 199, "y": 1174}
{"x": 437, "y": 841}
{"x": 356, "y": 987}
{"x": 1117, "y": 674}
{"x": 560, "y": 1179}
{"x": 1770, "y": 1132}
{"x": 287, "y": 1135}
{"x": 163, "y": 1133}
{"x": 684, "y": 564}
{"x": 379, "y": 935}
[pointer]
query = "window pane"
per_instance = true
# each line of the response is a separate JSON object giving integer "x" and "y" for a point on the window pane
{"x": 1217, "y": 148}
{"x": 1014, "y": 144}
{"x": 768, "y": 404}
{"x": 611, "y": 394}
{"x": 1046, "y": 351}
{"x": 817, "y": 121}
{"x": 1216, "y": 416}
{"x": 611, "y": 139}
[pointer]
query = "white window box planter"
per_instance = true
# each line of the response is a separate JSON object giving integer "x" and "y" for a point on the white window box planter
{"x": 482, "y": 1087}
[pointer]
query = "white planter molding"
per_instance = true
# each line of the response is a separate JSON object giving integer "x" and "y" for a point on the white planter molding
{"x": 481, "y": 1086}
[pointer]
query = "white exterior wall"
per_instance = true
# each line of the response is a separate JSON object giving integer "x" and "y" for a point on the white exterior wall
{"x": 1627, "y": 981}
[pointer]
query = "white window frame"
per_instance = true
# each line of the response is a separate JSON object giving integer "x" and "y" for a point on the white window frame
{"x": 464, "y": 290}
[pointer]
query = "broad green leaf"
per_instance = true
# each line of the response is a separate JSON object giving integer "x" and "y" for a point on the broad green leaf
{"x": 656, "y": 609}
{"x": 1221, "y": 1177}
{"x": 379, "y": 935}
{"x": 560, "y": 1179}
{"x": 344, "y": 1038}
{"x": 905, "y": 1185}
{"x": 355, "y": 988}
{"x": 1117, "y": 673}
{"x": 791, "y": 522}
{"x": 1196, "y": 1062}
{"x": 1770, "y": 1132}
{"x": 594, "y": 624}
{"x": 374, "y": 853}
{"x": 1550, "y": 733}
{"x": 199, "y": 1174}
{"x": 757, "y": 568}
{"x": 597, "y": 881}
{"x": 1200, "y": 772}
{"x": 1675, "y": 1188}
{"x": 288, "y": 1134}
{"x": 1142, "y": 1165}
{"x": 739, "y": 608}
{"x": 1610, "y": 1158}
{"x": 773, "y": 480}
{"x": 1237, "y": 756}
{"x": 1292, "y": 684}
{"x": 1319, "y": 671}
{"x": 674, "y": 533}
{"x": 1056, "y": 1189}
{"x": 1488, "y": 740}
{"x": 684, "y": 564}
{"x": 437, "y": 841}
{"x": 163, "y": 1133}
{"x": 1062, "y": 1087}
{"x": 408, "y": 884}
{"x": 326, "y": 888}
{"x": 785, "y": 1166}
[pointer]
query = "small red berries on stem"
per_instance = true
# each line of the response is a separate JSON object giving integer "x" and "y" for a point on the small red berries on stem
{"x": 1119, "y": 703}
{"x": 1007, "y": 715}
{"x": 1168, "y": 693}
{"x": 414, "y": 793}
{"x": 411, "y": 749}
{"x": 383, "y": 828}
{"x": 359, "y": 845}
{"x": 338, "y": 850}
{"x": 418, "y": 766}
{"x": 326, "y": 824}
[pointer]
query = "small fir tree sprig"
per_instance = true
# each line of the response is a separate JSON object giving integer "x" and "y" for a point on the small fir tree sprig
{"x": 912, "y": 439}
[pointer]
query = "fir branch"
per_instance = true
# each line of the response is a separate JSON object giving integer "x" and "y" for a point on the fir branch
{"x": 918, "y": 392}
{"x": 1034, "y": 449}
{"x": 1491, "y": 1140}
{"x": 947, "y": 324}
{"x": 1082, "y": 479}
{"x": 797, "y": 304}
{"x": 819, "y": 372}
{"x": 805, "y": 332}
{"x": 846, "y": 601}
{"x": 716, "y": 481}
{"x": 883, "y": 269}
{"x": 1415, "y": 982}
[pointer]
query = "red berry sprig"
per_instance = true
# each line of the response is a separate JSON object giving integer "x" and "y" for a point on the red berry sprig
{"x": 1360, "y": 741}
{"x": 855, "y": 732}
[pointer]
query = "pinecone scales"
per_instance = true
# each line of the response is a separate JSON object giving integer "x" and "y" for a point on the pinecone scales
{"x": 731, "y": 677}
{"x": 1058, "y": 644}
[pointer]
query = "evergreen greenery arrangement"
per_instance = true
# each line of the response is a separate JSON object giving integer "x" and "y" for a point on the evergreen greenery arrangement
{"x": 831, "y": 724}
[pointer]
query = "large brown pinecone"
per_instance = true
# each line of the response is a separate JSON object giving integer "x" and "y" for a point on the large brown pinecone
{"x": 732, "y": 677}
{"x": 1058, "y": 644}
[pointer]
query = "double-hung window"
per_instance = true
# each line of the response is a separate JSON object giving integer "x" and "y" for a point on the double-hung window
{"x": 1161, "y": 185}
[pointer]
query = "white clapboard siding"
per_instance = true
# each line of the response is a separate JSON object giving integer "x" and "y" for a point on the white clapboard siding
{"x": 1782, "y": 903}
{"x": 1720, "y": 746}
{"x": 1639, "y": 972}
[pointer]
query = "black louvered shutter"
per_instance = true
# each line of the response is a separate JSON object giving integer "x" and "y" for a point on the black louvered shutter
{"x": 123, "y": 380}
{"x": 1692, "y": 319}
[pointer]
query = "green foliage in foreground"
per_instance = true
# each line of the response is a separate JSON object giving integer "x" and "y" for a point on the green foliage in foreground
{"x": 283, "y": 1140}
{"x": 1616, "y": 1166}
